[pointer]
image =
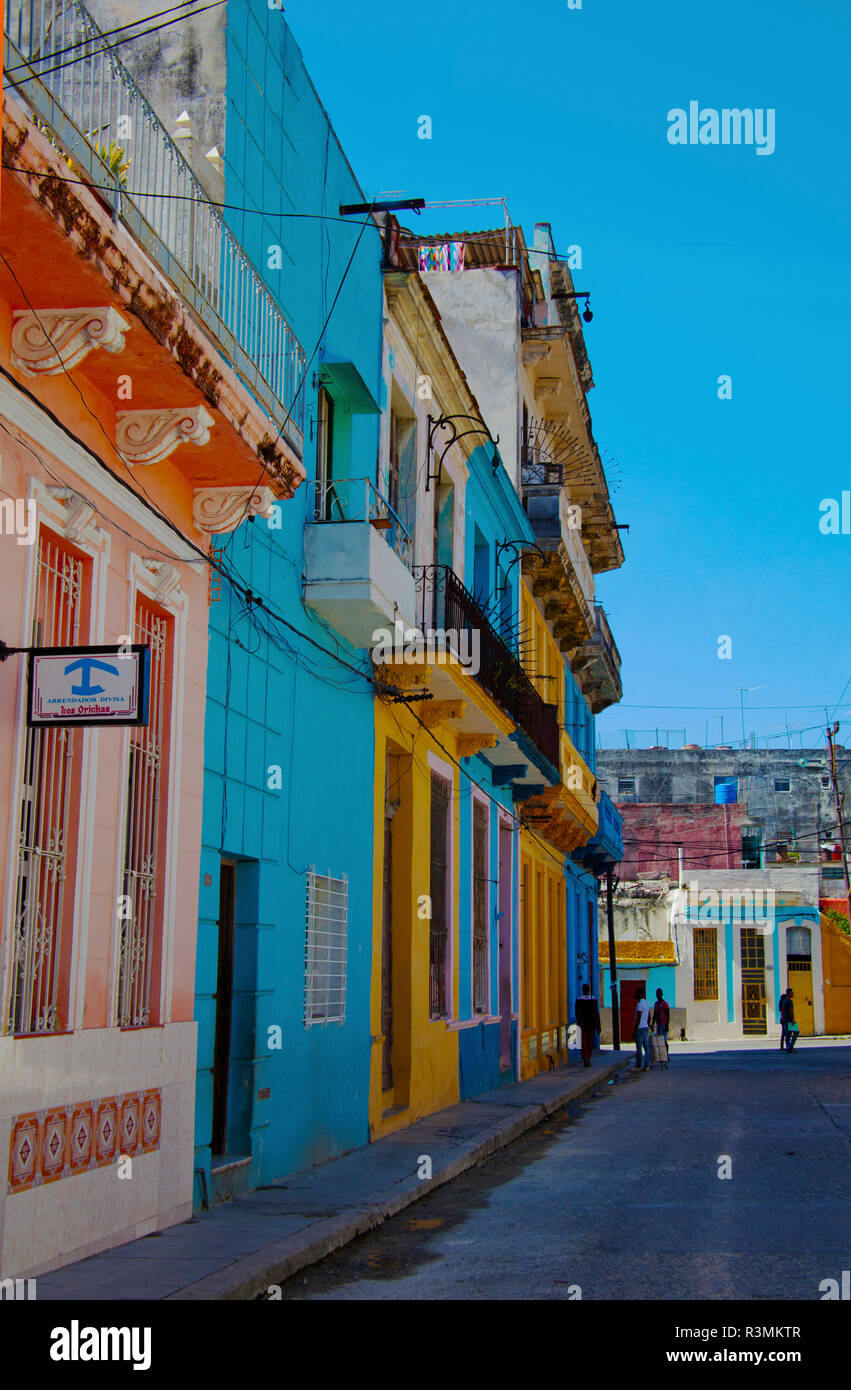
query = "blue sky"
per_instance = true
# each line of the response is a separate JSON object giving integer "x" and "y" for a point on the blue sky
{"x": 702, "y": 261}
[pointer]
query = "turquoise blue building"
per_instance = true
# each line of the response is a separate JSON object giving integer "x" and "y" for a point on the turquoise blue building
{"x": 284, "y": 931}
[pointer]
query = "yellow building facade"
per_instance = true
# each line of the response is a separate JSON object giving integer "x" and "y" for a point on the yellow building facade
{"x": 557, "y": 820}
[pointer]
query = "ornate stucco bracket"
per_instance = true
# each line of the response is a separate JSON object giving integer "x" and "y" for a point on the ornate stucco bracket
{"x": 436, "y": 712}
{"x": 149, "y": 436}
{"x": 217, "y": 510}
{"x": 471, "y": 744}
{"x": 546, "y": 387}
{"x": 46, "y": 342}
{"x": 78, "y": 512}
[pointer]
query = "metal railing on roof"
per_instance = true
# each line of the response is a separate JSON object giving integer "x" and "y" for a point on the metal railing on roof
{"x": 58, "y": 62}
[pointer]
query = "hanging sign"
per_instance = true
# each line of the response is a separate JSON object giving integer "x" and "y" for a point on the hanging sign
{"x": 88, "y": 685}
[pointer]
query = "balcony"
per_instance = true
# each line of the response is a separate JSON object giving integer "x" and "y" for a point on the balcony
{"x": 596, "y": 666}
{"x": 83, "y": 106}
{"x": 606, "y": 848}
{"x": 358, "y": 561}
{"x": 445, "y": 604}
{"x": 561, "y": 578}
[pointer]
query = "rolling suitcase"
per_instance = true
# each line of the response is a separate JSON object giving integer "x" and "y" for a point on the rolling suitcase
{"x": 658, "y": 1050}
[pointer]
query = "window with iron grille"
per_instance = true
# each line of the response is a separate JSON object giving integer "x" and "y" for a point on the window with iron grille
{"x": 481, "y": 992}
{"x": 782, "y": 784}
{"x": 753, "y": 949}
{"x": 141, "y": 914}
{"x": 326, "y": 944}
{"x": 626, "y": 786}
{"x": 44, "y": 832}
{"x": 705, "y": 963}
{"x": 439, "y": 890}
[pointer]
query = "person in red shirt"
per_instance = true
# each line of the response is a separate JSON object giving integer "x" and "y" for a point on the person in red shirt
{"x": 661, "y": 1015}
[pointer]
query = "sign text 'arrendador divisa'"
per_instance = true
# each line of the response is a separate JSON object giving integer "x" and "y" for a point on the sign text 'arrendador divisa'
{"x": 88, "y": 685}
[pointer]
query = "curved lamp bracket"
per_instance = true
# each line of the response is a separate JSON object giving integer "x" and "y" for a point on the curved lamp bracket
{"x": 518, "y": 547}
{"x": 447, "y": 422}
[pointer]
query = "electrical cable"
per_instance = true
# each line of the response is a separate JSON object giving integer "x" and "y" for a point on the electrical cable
{"x": 188, "y": 198}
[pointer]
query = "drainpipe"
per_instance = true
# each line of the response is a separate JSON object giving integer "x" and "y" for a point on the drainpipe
{"x": 613, "y": 969}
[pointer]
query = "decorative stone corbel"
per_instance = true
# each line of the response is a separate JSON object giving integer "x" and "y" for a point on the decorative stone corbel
{"x": 166, "y": 578}
{"x": 46, "y": 342}
{"x": 216, "y": 510}
{"x": 547, "y": 386}
{"x": 438, "y": 711}
{"x": 149, "y": 436}
{"x": 471, "y": 744}
{"x": 535, "y": 352}
{"x": 78, "y": 512}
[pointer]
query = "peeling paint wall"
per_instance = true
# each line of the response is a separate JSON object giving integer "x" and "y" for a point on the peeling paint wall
{"x": 180, "y": 67}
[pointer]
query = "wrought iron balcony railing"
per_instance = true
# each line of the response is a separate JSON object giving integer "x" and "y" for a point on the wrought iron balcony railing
{"x": 446, "y": 604}
{"x": 59, "y": 64}
{"x": 358, "y": 499}
{"x": 539, "y": 472}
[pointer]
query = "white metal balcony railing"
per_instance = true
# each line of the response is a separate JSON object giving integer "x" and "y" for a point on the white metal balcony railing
{"x": 58, "y": 63}
{"x": 358, "y": 499}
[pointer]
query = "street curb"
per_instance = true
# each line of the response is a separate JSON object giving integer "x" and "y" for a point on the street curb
{"x": 275, "y": 1263}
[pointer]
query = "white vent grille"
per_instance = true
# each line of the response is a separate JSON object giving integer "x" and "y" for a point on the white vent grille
{"x": 325, "y": 949}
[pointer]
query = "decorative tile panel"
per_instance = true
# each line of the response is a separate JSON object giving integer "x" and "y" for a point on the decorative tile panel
{"x": 57, "y": 1143}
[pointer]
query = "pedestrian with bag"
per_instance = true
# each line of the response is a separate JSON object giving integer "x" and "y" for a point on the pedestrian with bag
{"x": 792, "y": 1028}
{"x": 588, "y": 1019}
{"x": 781, "y": 1008}
{"x": 641, "y": 1033}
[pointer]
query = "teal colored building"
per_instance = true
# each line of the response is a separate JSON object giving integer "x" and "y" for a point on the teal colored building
{"x": 283, "y": 957}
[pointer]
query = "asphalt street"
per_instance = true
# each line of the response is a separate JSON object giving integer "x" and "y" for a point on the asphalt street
{"x": 624, "y": 1198}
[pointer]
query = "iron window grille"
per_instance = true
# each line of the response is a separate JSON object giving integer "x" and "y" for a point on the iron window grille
{"x": 43, "y": 830}
{"x": 480, "y": 909}
{"x": 439, "y": 885}
{"x": 326, "y": 945}
{"x": 705, "y": 963}
{"x": 138, "y": 921}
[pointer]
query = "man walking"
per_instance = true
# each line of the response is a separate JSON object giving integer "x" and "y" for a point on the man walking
{"x": 789, "y": 1023}
{"x": 661, "y": 1016}
{"x": 782, "y": 1010}
{"x": 588, "y": 1018}
{"x": 642, "y": 1033}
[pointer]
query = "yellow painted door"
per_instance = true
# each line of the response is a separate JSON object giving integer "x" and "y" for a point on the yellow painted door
{"x": 802, "y": 984}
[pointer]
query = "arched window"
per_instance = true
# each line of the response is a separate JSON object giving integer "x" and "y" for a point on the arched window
{"x": 798, "y": 941}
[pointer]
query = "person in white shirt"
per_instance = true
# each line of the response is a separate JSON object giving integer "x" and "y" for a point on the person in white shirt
{"x": 642, "y": 1033}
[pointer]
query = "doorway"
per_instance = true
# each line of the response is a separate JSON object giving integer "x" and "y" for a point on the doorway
{"x": 630, "y": 992}
{"x": 506, "y": 842}
{"x": 799, "y": 967}
{"x": 391, "y": 777}
{"x": 224, "y": 1007}
{"x": 753, "y": 982}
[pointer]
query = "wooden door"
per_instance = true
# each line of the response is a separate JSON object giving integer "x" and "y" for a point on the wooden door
{"x": 224, "y": 1007}
{"x": 629, "y": 992}
{"x": 387, "y": 960}
{"x": 505, "y": 858}
{"x": 801, "y": 982}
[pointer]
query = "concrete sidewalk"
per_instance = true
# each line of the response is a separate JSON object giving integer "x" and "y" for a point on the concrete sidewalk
{"x": 238, "y": 1249}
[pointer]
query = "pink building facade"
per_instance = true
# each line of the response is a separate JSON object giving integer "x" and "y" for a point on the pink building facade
{"x": 127, "y": 445}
